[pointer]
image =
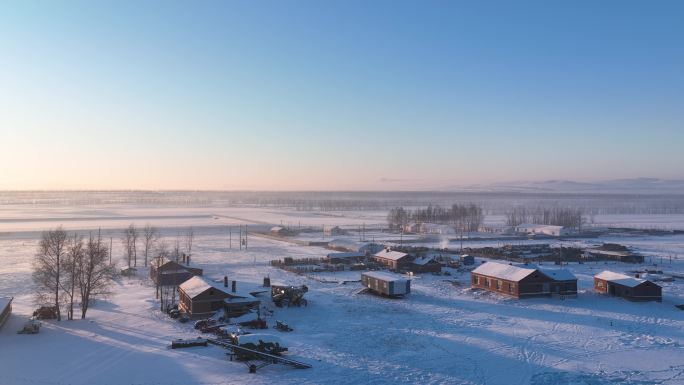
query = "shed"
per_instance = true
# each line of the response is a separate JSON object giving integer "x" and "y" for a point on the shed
{"x": 631, "y": 288}
{"x": 391, "y": 285}
{"x": 393, "y": 260}
{"x": 522, "y": 281}
{"x": 425, "y": 264}
{"x": 467, "y": 260}
{"x": 5, "y": 309}
{"x": 346, "y": 258}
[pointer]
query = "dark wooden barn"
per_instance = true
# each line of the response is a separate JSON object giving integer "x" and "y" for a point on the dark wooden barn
{"x": 631, "y": 288}
{"x": 165, "y": 272}
{"x": 523, "y": 281}
{"x": 201, "y": 298}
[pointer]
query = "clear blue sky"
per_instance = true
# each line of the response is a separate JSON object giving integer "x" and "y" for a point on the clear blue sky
{"x": 338, "y": 94}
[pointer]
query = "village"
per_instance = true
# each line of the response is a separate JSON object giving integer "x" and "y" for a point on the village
{"x": 247, "y": 311}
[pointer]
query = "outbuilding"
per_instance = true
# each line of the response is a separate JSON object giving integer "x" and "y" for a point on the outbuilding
{"x": 425, "y": 264}
{"x": 387, "y": 284}
{"x": 346, "y": 258}
{"x": 631, "y": 288}
{"x": 393, "y": 260}
{"x": 523, "y": 281}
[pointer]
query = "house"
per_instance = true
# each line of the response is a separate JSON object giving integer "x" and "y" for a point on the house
{"x": 346, "y": 258}
{"x": 128, "y": 272}
{"x": 201, "y": 298}
{"x": 425, "y": 264}
{"x": 436, "y": 228}
{"x": 547, "y": 230}
{"x": 393, "y": 260}
{"x": 631, "y": 288}
{"x": 165, "y": 272}
{"x": 467, "y": 260}
{"x": 411, "y": 228}
{"x": 391, "y": 285}
{"x": 523, "y": 281}
{"x": 5, "y": 310}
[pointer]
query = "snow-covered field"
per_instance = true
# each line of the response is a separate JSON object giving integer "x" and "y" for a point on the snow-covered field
{"x": 441, "y": 334}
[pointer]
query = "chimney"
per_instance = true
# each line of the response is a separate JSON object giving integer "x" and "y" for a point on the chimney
{"x": 188, "y": 260}
{"x": 267, "y": 281}
{"x": 234, "y": 288}
{"x": 636, "y": 275}
{"x": 183, "y": 258}
{"x": 225, "y": 281}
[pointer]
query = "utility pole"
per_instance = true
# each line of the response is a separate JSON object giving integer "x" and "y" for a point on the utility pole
{"x": 110, "y": 251}
{"x": 230, "y": 237}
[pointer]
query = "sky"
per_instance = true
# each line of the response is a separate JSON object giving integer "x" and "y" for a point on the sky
{"x": 338, "y": 95}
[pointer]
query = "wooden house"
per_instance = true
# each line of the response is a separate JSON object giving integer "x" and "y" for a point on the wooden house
{"x": 165, "y": 272}
{"x": 393, "y": 260}
{"x": 387, "y": 284}
{"x": 523, "y": 281}
{"x": 5, "y": 310}
{"x": 201, "y": 298}
{"x": 631, "y": 288}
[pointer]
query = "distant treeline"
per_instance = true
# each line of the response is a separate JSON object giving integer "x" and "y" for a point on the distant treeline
{"x": 492, "y": 203}
{"x": 557, "y": 216}
{"x": 466, "y": 217}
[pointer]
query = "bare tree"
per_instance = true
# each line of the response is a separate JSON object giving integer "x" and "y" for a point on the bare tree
{"x": 149, "y": 238}
{"x": 72, "y": 262}
{"x": 162, "y": 253}
{"x": 129, "y": 241}
{"x": 189, "y": 238}
{"x": 47, "y": 265}
{"x": 95, "y": 274}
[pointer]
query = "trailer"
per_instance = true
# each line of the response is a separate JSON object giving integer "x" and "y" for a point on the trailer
{"x": 387, "y": 284}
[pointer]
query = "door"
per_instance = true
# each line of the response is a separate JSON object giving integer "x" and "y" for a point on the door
{"x": 545, "y": 287}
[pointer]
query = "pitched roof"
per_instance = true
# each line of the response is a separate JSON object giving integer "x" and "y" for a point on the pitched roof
{"x": 384, "y": 276}
{"x": 391, "y": 255}
{"x": 198, "y": 285}
{"x": 346, "y": 255}
{"x": 619, "y": 278}
{"x": 423, "y": 260}
{"x": 559, "y": 274}
{"x": 4, "y": 302}
{"x": 503, "y": 271}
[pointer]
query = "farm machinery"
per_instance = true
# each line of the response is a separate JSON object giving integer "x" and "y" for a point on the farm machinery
{"x": 289, "y": 295}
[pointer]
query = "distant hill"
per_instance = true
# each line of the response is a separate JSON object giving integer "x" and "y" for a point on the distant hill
{"x": 633, "y": 186}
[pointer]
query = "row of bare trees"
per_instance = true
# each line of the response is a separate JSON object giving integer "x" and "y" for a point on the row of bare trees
{"x": 150, "y": 239}
{"x": 70, "y": 270}
{"x": 466, "y": 217}
{"x": 558, "y": 216}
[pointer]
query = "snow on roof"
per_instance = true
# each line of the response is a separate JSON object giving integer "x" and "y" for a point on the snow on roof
{"x": 559, "y": 274}
{"x": 503, "y": 271}
{"x": 4, "y": 302}
{"x": 423, "y": 260}
{"x": 619, "y": 278}
{"x": 275, "y": 229}
{"x": 346, "y": 255}
{"x": 197, "y": 285}
{"x": 391, "y": 255}
{"x": 536, "y": 226}
{"x": 384, "y": 276}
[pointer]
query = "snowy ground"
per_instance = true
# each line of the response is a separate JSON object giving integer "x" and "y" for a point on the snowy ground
{"x": 441, "y": 334}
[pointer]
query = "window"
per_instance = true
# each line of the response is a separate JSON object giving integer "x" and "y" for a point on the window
{"x": 498, "y": 284}
{"x": 476, "y": 279}
{"x": 511, "y": 288}
{"x": 486, "y": 282}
